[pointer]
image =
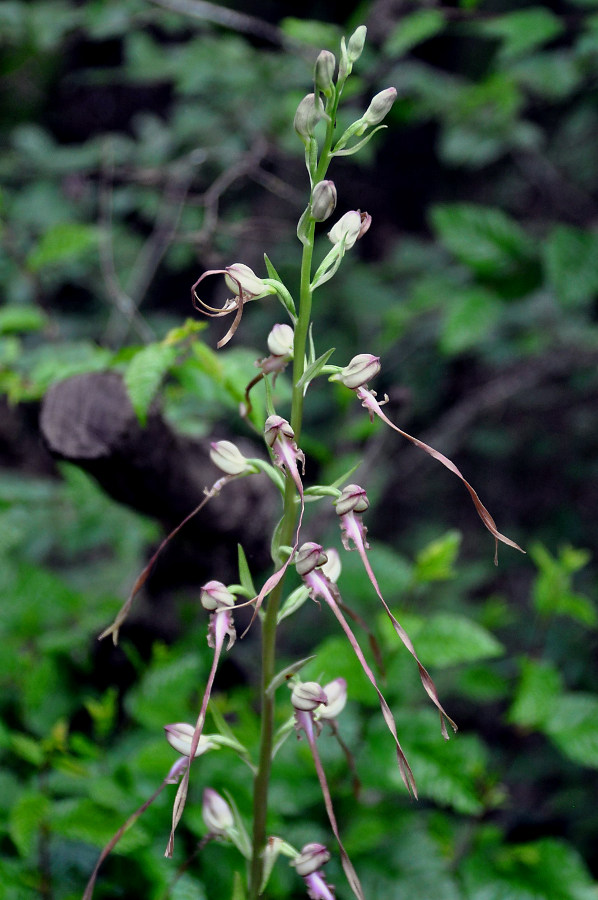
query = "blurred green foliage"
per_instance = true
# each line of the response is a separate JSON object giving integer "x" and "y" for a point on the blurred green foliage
{"x": 139, "y": 147}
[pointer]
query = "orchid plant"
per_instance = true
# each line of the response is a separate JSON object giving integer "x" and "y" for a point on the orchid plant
{"x": 291, "y": 344}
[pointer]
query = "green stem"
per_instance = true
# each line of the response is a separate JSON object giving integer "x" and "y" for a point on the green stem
{"x": 287, "y": 532}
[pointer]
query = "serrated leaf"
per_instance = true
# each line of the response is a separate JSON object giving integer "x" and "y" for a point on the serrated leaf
{"x": 144, "y": 375}
{"x": 469, "y": 319}
{"x": 481, "y": 237}
{"x": 62, "y": 243}
{"x": 571, "y": 265}
{"x": 539, "y": 688}
{"x": 412, "y": 30}
{"x": 448, "y": 639}
{"x": 26, "y": 819}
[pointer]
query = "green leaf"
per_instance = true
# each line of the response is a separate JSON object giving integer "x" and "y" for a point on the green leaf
{"x": 27, "y": 817}
{"x": 571, "y": 265}
{"x": 86, "y": 820}
{"x": 311, "y": 31}
{"x": 539, "y": 688}
{"x": 316, "y": 367}
{"x": 244, "y": 572}
{"x": 552, "y": 593}
{"x": 542, "y": 870}
{"x": 165, "y": 689}
{"x": 522, "y": 31}
{"x": 435, "y": 562}
{"x": 481, "y": 237}
{"x": 413, "y": 29}
{"x": 144, "y": 375}
{"x": 18, "y": 319}
{"x": 62, "y": 243}
{"x": 469, "y": 319}
{"x": 447, "y": 639}
{"x": 573, "y": 727}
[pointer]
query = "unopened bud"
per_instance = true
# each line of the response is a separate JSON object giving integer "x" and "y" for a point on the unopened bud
{"x": 276, "y": 427}
{"x": 379, "y": 106}
{"x": 215, "y": 595}
{"x": 309, "y": 112}
{"x": 229, "y": 458}
{"x": 353, "y": 498}
{"x": 280, "y": 340}
{"x": 311, "y": 858}
{"x": 240, "y": 278}
{"x": 308, "y": 696}
{"x": 360, "y": 370}
{"x": 323, "y": 200}
{"x": 356, "y": 43}
{"x": 332, "y": 567}
{"x": 308, "y": 557}
{"x": 324, "y": 72}
{"x": 336, "y": 692}
{"x": 216, "y": 812}
{"x": 347, "y": 227}
{"x": 180, "y": 737}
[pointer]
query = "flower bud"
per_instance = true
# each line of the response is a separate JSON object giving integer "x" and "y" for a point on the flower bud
{"x": 216, "y": 812}
{"x": 308, "y": 557}
{"x": 324, "y": 72}
{"x": 347, "y": 227}
{"x": 353, "y": 498}
{"x": 275, "y": 427}
{"x": 180, "y": 737}
{"x": 332, "y": 567}
{"x": 215, "y": 595}
{"x": 323, "y": 200}
{"x": 280, "y": 340}
{"x": 311, "y": 858}
{"x": 309, "y": 112}
{"x": 229, "y": 458}
{"x": 356, "y": 43}
{"x": 360, "y": 370}
{"x": 336, "y": 692}
{"x": 308, "y": 696}
{"x": 240, "y": 277}
{"x": 379, "y": 106}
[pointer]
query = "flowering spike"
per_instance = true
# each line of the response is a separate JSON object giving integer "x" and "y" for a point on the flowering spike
{"x": 352, "y": 501}
{"x": 320, "y": 586}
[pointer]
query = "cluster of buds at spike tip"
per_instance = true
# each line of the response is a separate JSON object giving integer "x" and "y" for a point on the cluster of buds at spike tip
{"x": 350, "y": 227}
{"x": 351, "y": 51}
{"x": 323, "y": 200}
{"x": 309, "y": 112}
{"x": 229, "y": 459}
{"x": 216, "y": 813}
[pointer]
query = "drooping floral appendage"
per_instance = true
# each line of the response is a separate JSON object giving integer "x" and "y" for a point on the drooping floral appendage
{"x": 355, "y": 376}
{"x": 244, "y": 284}
{"x": 351, "y": 503}
{"x": 320, "y": 586}
{"x": 306, "y": 698}
{"x": 214, "y": 597}
{"x": 229, "y": 460}
{"x": 172, "y": 778}
{"x": 280, "y": 345}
